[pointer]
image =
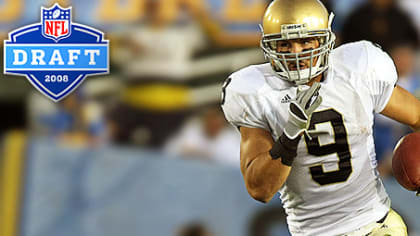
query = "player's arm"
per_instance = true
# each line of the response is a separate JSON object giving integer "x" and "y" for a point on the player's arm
{"x": 266, "y": 164}
{"x": 263, "y": 175}
{"x": 403, "y": 107}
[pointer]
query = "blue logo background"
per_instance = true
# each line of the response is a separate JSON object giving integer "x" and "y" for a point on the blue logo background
{"x": 56, "y": 66}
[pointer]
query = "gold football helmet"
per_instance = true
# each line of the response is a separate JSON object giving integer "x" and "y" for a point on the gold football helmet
{"x": 296, "y": 19}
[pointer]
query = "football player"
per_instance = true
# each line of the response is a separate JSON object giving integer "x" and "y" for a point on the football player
{"x": 306, "y": 118}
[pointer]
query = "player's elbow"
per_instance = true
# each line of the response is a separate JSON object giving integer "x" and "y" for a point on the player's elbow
{"x": 261, "y": 189}
{"x": 260, "y": 194}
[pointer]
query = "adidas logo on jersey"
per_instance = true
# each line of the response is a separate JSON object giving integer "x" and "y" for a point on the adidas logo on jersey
{"x": 286, "y": 99}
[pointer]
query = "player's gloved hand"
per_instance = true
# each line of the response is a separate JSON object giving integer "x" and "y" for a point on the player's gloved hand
{"x": 300, "y": 111}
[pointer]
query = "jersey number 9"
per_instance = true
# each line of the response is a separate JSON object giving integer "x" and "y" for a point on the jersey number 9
{"x": 340, "y": 147}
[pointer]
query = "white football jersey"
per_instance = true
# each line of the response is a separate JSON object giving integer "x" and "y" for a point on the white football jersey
{"x": 333, "y": 187}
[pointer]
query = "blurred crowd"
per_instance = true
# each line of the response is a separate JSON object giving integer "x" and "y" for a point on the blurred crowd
{"x": 167, "y": 69}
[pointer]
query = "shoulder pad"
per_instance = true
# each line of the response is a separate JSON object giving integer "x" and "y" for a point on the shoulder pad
{"x": 351, "y": 56}
{"x": 249, "y": 80}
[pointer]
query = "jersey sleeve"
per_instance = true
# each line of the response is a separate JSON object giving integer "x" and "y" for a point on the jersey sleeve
{"x": 241, "y": 106}
{"x": 381, "y": 77}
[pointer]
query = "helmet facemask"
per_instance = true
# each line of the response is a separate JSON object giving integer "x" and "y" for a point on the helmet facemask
{"x": 280, "y": 60}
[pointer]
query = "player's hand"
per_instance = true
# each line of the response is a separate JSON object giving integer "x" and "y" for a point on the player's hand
{"x": 300, "y": 111}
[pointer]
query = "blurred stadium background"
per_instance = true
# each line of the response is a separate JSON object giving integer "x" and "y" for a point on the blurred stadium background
{"x": 146, "y": 150}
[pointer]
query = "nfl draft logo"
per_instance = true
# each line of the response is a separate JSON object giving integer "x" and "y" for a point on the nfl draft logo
{"x": 57, "y": 54}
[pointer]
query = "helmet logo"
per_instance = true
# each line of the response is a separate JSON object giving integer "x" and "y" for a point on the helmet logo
{"x": 290, "y": 31}
{"x": 293, "y": 27}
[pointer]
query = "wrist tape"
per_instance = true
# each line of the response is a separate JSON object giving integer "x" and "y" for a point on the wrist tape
{"x": 286, "y": 149}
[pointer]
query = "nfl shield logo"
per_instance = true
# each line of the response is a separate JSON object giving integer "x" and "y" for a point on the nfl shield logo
{"x": 56, "y": 22}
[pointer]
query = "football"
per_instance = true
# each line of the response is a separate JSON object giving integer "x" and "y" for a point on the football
{"x": 406, "y": 161}
{"x": 56, "y": 14}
